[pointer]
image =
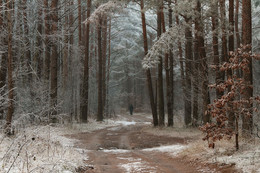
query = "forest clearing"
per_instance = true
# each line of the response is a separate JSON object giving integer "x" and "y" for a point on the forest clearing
{"x": 156, "y": 86}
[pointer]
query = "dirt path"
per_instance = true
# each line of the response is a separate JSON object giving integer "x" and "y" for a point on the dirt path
{"x": 125, "y": 148}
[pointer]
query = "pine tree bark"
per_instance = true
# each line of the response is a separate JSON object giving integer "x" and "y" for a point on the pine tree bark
{"x": 231, "y": 116}
{"x": 54, "y": 58}
{"x": 4, "y": 55}
{"x": 148, "y": 72}
{"x": 203, "y": 67}
{"x": 79, "y": 21}
{"x": 104, "y": 54}
{"x": 84, "y": 99}
{"x": 170, "y": 94}
{"x": 100, "y": 72}
{"x": 247, "y": 122}
{"x": 28, "y": 56}
{"x": 188, "y": 72}
{"x": 10, "y": 112}
{"x": 108, "y": 66}
{"x": 38, "y": 58}
{"x": 47, "y": 55}
{"x": 215, "y": 25}
{"x": 238, "y": 42}
{"x": 160, "y": 69}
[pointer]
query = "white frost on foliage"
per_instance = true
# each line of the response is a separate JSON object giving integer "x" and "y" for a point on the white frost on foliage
{"x": 163, "y": 45}
{"x": 39, "y": 149}
{"x": 106, "y": 9}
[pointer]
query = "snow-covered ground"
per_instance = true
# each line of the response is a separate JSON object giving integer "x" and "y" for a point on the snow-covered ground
{"x": 39, "y": 149}
{"x": 247, "y": 158}
{"x": 45, "y": 149}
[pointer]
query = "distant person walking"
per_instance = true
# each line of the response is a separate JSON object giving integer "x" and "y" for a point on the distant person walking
{"x": 131, "y": 109}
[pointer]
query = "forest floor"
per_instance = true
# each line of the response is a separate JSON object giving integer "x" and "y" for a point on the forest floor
{"x": 123, "y": 144}
{"x": 134, "y": 146}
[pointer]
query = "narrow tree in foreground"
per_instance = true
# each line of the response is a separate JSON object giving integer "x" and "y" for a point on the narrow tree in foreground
{"x": 160, "y": 69}
{"x": 188, "y": 72}
{"x": 84, "y": 99}
{"x": 148, "y": 72}
{"x": 10, "y": 70}
{"x": 3, "y": 65}
{"x": 54, "y": 57}
{"x": 247, "y": 121}
{"x": 100, "y": 71}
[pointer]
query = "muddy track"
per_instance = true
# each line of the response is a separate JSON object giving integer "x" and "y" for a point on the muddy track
{"x": 120, "y": 149}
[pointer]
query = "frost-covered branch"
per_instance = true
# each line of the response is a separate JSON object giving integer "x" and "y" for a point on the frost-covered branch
{"x": 106, "y": 9}
{"x": 163, "y": 45}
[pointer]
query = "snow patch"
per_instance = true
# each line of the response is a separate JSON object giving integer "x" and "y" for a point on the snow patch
{"x": 116, "y": 151}
{"x": 171, "y": 149}
{"x": 137, "y": 165}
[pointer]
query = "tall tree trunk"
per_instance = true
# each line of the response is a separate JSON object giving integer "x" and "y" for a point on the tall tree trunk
{"x": 188, "y": 72}
{"x": 180, "y": 52}
{"x": 4, "y": 56}
{"x": 224, "y": 56}
{"x": 65, "y": 49}
{"x": 27, "y": 57}
{"x": 10, "y": 71}
{"x": 47, "y": 42}
{"x": 231, "y": 116}
{"x": 84, "y": 99}
{"x": 215, "y": 25}
{"x": 38, "y": 58}
{"x": 247, "y": 122}
{"x": 148, "y": 72}
{"x": 203, "y": 67}
{"x": 160, "y": 69}
{"x": 108, "y": 66}
{"x": 104, "y": 54}
{"x": 54, "y": 58}
{"x": 170, "y": 90}
{"x": 236, "y": 24}
{"x": 79, "y": 21}
{"x": 100, "y": 72}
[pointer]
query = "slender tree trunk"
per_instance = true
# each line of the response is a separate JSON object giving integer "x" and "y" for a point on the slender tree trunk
{"x": 100, "y": 72}
{"x": 247, "y": 122}
{"x": 160, "y": 70}
{"x": 10, "y": 71}
{"x": 108, "y": 66}
{"x": 84, "y": 99}
{"x": 65, "y": 49}
{"x": 79, "y": 21}
{"x": 231, "y": 115}
{"x": 104, "y": 54}
{"x": 148, "y": 72}
{"x": 54, "y": 58}
{"x": 27, "y": 57}
{"x": 236, "y": 24}
{"x": 170, "y": 94}
{"x": 203, "y": 67}
{"x": 47, "y": 41}
{"x": 38, "y": 58}
{"x": 4, "y": 56}
{"x": 188, "y": 72}
{"x": 180, "y": 52}
{"x": 224, "y": 56}
{"x": 215, "y": 25}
